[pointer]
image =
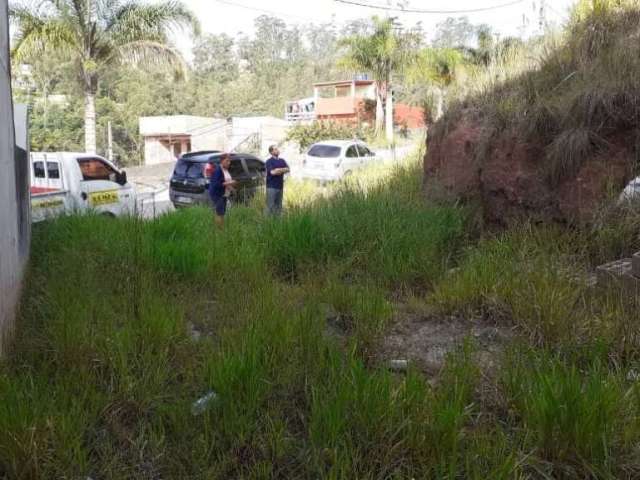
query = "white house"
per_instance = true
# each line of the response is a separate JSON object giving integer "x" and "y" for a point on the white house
{"x": 168, "y": 137}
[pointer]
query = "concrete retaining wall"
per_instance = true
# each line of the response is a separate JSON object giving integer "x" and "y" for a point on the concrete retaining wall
{"x": 14, "y": 191}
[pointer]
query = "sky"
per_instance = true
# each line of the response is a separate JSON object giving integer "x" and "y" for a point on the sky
{"x": 236, "y": 16}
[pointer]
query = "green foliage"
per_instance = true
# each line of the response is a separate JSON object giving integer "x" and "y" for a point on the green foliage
{"x": 103, "y": 372}
{"x": 306, "y": 135}
{"x": 454, "y": 32}
{"x": 383, "y": 52}
{"x": 575, "y": 417}
{"x": 520, "y": 275}
{"x": 95, "y": 38}
{"x": 290, "y": 315}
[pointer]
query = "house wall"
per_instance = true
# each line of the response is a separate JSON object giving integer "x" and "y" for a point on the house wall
{"x": 14, "y": 193}
{"x": 336, "y": 106}
{"x": 174, "y": 125}
{"x": 213, "y": 137}
{"x": 270, "y": 130}
{"x": 366, "y": 91}
{"x": 408, "y": 116}
{"x": 155, "y": 152}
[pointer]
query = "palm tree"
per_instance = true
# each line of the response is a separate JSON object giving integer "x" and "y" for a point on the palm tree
{"x": 98, "y": 35}
{"x": 381, "y": 53}
{"x": 437, "y": 67}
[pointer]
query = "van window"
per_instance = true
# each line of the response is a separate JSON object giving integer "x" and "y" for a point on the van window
{"x": 352, "y": 152}
{"x": 53, "y": 170}
{"x": 38, "y": 169}
{"x": 189, "y": 169}
{"x": 324, "y": 151}
{"x": 96, "y": 169}
{"x": 235, "y": 168}
{"x": 254, "y": 165}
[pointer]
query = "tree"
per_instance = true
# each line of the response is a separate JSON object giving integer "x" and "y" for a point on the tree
{"x": 98, "y": 35}
{"x": 454, "y": 32}
{"x": 382, "y": 53}
{"x": 437, "y": 67}
{"x": 215, "y": 57}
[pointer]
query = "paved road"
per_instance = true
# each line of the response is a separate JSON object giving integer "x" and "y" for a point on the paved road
{"x": 152, "y": 185}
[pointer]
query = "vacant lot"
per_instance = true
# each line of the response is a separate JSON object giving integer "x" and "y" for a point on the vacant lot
{"x": 516, "y": 368}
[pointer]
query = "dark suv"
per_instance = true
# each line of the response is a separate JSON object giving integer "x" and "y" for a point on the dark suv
{"x": 189, "y": 183}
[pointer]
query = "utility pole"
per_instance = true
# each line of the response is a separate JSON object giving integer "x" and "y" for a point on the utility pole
{"x": 109, "y": 142}
{"x": 389, "y": 114}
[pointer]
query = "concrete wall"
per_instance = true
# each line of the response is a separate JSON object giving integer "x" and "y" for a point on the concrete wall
{"x": 271, "y": 130}
{"x": 174, "y": 125}
{"x": 14, "y": 199}
{"x": 214, "y": 137}
{"x": 202, "y": 132}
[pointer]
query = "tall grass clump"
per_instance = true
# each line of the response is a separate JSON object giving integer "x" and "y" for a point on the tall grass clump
{"x": 385, "y": 231}
{"x": 523, "y": 277}
{"x": 578, "y": 417}
{"x": 125, "y": 323}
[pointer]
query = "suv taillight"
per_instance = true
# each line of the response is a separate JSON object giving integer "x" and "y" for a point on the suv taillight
{"x": 208, "y": 170}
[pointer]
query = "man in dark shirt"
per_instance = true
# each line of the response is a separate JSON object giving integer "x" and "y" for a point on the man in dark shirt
{"x": 276, "y": 168}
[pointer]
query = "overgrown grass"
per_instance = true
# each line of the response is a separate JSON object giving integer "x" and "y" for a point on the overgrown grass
{"x": 124, "y": 324}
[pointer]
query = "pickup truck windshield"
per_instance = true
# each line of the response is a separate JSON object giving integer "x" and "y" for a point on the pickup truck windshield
{"x": 324, "y": 151}
{"x": 189, "y": 169}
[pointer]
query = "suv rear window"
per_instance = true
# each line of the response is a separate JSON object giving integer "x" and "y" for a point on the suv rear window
{"x": 324, "y": 151}
{"x": 189, "y": 169}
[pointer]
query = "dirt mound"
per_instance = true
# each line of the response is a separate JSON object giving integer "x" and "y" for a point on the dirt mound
{"x": 549, "y": 129}
{"x": 508, "y": 178}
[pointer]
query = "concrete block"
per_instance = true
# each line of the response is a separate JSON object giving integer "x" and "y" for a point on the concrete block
{"x": 619, "y": 275}
{"x": 636, "y": 265}
{"x": 613, "y": 270}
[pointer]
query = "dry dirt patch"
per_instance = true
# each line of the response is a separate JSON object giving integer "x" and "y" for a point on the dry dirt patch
{"x": 425, "y": 340}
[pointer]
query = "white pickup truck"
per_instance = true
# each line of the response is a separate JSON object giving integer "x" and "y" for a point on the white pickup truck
{"x": 64, "y": 182}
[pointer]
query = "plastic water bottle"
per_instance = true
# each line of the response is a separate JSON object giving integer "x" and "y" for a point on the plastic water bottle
{"x": 399, "y": 365}
{"x": 200, "y": 405}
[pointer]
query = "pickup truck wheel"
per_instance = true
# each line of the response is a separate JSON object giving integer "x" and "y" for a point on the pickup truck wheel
{"x": 108, "y": 215}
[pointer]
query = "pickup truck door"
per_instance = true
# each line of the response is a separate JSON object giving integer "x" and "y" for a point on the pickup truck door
{"x": 99, "y": 189}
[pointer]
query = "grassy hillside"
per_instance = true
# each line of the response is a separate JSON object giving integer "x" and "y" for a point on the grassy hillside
{"x": 550, "y": 129}
{"x": 572, "y": 95}
{"x": 124, "y": 324}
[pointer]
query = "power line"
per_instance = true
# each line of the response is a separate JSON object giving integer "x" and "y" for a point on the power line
{"x": 434, "y": 12}
{"x": 269, "y": 12}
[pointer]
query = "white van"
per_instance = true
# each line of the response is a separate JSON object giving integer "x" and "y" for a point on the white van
{"x": 65, "y": 182}
{"x": 334, "y": 159}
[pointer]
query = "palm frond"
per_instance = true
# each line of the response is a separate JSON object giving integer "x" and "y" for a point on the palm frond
{"x": 134, "y": 22}
{"x": 148, "y": 53}
{"x": 38, "y": 33}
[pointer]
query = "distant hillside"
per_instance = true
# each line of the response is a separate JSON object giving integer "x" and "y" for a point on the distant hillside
{"x": 551, "y": 129}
